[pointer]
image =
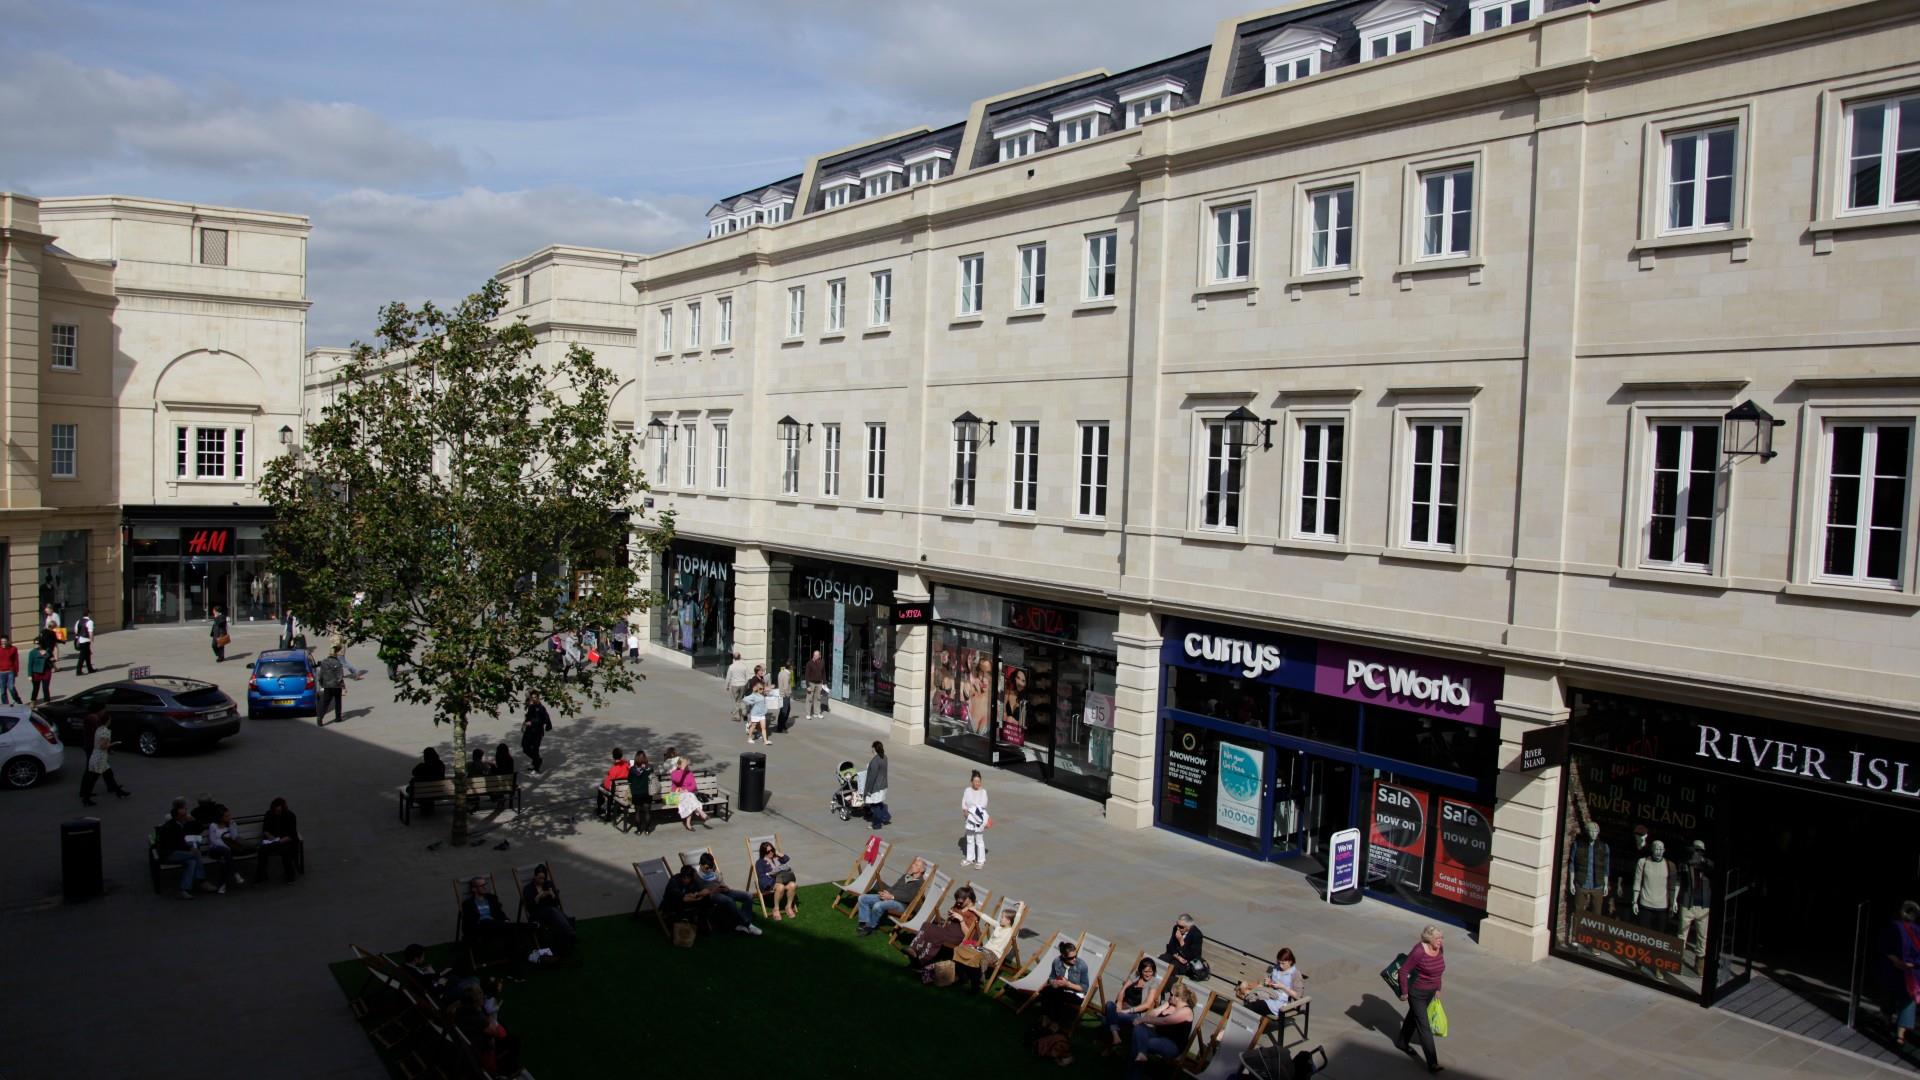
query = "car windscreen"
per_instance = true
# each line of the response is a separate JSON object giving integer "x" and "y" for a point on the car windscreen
{"x": 202, "y": 698}
{"x": 281, "y": 669}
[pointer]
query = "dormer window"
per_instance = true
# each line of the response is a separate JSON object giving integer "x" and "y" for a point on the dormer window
{"x": 881, "y": 179}
{"x": 839, "y": 189}
{"x": 1020, "y": 138}
{"x": 778, "y": 211}
{"x": 1078, "y": 123}
{"x": 1296, "y": 54}
{"x": 927, "y": 165}
{"x": 1494, "y": 14}
{"x": 1150, "y": 99}
{"x": 1392, "y": 27}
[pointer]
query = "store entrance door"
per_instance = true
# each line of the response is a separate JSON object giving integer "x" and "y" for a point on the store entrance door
{"x": 1312, "y": 800}
{"x": 207, "y": 587}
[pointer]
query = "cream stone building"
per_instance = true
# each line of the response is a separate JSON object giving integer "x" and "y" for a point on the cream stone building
{"x": 154, "y": 353}
{"x": 1486, "y": 425}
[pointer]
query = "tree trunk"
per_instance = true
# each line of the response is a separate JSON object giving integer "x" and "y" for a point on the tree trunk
{"x": 460, "y": 781}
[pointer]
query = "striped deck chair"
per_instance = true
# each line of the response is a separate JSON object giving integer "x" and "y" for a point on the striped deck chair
{"x": 862, "y": 877}
{"x": 1096, "y": 951}
{"x": 1012, "y": 951}
{"x": 653, "y": 875}
{"x": 753, "y": 869}
{"x": 1028, "y": 983}
{"x": 1220, "y": 1058}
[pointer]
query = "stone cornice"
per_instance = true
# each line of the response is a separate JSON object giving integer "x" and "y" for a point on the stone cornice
{"x": 257, "y": 299}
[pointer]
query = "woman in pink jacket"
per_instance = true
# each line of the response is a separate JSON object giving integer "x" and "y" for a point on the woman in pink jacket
{"x": 1419, "y": 985}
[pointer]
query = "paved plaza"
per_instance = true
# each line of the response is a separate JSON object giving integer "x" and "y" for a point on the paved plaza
{"x": 128, "y": 985}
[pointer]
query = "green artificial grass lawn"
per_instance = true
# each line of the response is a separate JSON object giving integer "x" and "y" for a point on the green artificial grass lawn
{"x": 807, "y": 998}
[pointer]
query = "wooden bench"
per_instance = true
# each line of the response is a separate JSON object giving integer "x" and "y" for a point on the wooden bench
{"x": 249, "y": 830}
{"x": 431, "y": 793}
{"x": 638, "y": 811}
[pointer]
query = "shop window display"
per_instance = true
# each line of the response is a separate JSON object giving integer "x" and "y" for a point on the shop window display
{"x": 63, "y": 573}
{"x": 696, "y": 616}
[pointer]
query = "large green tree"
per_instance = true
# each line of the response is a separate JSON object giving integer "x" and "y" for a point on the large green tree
{"x": 459, "y": 503}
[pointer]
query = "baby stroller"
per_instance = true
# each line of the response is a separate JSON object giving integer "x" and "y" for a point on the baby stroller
{"x": 847, "y": 797}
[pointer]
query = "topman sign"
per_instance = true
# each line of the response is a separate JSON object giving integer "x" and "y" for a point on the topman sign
{"x": 701, "y": 567}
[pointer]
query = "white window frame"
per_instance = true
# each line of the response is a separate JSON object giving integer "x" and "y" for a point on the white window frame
{"x": 830, "y": 461}
{"x": 1031, "y": 291}
{"x": 926, "y": 166}
{"x": 836, "y": 305}
{"x": 1296, "y": 53}
{"x": 1230, "y": 228}
{"x": 838, "y": 191}
{"x": 1217, "y": 466}
{"x": 876, "y": 471}
{"x": 1887, "y": 153}
{"x": 973, "y": 284}
{"x": 693, "y": 325}
{"x": 872, "y": 187}
{"x": 63, "y": 347}
{"x": 1700, "y": 150}
{"x": 1315, "y": 469}
{"x": 1023, "y": 492}
{"x": 1411, "y": 495}
{"x": 796, "y": 310}
{"x": 663, "y": 460}
{"x": 1310, "y": 193}
{"x": 1394, "y": 27}
{"x": 690, "y": 454}
{"x": 1078, "y": 129}
{"x": 1094, "y": 457}
{"x": 880, "y": 306}
{"x": 1656, "y": 134}
{"x": 71, "y": 450}
{"x": 191, "y": 462}
{"x": 1102, "y": 278}
{"x": 1143, "y": 109}
{"x": 723, "y": 333}
{"x": 1014, "y": 147}
{"x": 666, "y": 330}
{"x": 790, "y": 461}
{"x": 722, "y": 451}
{"x": 963, "y": 485}
{"x": 1149, "y": 99}
{"x": 1688, "y": 427}
{"x": 1500, "y": 13}
{"x": 1448, "y": 178}
{"x": 1875, "y": 424}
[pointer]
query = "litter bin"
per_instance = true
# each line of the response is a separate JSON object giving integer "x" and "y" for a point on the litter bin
{"x": 753, "y": 782}
{"x": 80, "y": 858}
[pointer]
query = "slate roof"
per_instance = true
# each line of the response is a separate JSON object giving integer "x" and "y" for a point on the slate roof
{"x": 854, "y": 160}
{"x": 1188, "y": 67}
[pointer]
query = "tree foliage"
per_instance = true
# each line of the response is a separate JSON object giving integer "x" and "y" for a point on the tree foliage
{"x": 458, "y": 503}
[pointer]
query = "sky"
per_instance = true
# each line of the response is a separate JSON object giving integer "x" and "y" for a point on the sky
{"x": 432, "y": 142}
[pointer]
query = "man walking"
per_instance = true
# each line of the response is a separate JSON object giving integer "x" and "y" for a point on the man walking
{"x": 784, "y": 683}
{"x": 737, "y": 673}
{"x": 816, "y": 676}
{"x": 83, "y": 644}
{"x": 9, "y": 672}
{"x": 332, "y": 679}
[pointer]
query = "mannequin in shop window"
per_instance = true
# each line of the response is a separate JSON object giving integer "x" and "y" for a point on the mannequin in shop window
{"x": 1589, "y": 868}
{"x": 1623, "y": 891}
{"x": 1692, "y": 899}
{"x": 1655, "y": 888}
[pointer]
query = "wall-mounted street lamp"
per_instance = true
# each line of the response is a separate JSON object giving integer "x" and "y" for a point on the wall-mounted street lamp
{"x": 1747, "y": 431}
{"x": 790, "y": 429}
{"x": 657, "y": 430}
{"x": 286, "y": 435}
{"x": 967, "y": 427}
{"x": 1240, "y": 430}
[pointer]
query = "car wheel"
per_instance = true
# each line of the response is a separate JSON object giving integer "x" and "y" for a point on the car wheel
{"x": 23, "y": 772}
{"x": 148, "y": 743}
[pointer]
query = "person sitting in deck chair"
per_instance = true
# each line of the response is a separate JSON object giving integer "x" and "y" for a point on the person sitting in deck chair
{"x": 890, "y": 899}
{"x": 483, "y": 918}
{"x": 686, "y": 897}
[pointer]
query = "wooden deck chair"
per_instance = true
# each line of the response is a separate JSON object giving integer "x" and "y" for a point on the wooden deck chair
{"x": 1121, "y": 976}
{"x": 1095, "y": 951}
{"x": 505, "y": 953}
{"x": 1033, "y": 977}
{"x": 932, "y": 892}
{"x": 1204, "y": 1031}
{"x": 861, "y": 878}
{"x": 524, "y": 874}
{"x": 753, "y": 868}
{"x": 653, "y": 875}
{"x": 1238, "y": 1032}
{"x": 1019, "y": 909}
{"x": 383, "y": 980}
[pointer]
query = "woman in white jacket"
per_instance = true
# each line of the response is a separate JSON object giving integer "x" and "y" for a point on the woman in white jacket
{"x": 973, "y": 802}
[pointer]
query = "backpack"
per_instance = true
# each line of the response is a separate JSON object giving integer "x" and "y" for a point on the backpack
{"x": 330, "y": 673}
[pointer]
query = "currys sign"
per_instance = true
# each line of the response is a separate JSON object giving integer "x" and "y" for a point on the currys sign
{"x": 1463, "y": 692}
{"x": 1239, "y": 653}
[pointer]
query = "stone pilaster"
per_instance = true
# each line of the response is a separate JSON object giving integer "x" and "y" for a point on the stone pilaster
{"x": 1136, "y": 720}
{"x": 910, "y": 664}
{"x": 1526, "y": 815}
{"x": 752, "y": 615}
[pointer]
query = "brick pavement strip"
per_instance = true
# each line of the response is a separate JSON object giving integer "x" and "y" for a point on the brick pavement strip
{"x": 257, "y": 957}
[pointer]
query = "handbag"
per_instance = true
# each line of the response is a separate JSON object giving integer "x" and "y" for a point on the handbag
{"x": 1391, "y": 973}
{"x": 60, "y": 633}
{"x": 970, "y": 955}
{"x": 223, "y": 641}
{"x": 1437, "y": 1018}
{"x": 684, "y": 935}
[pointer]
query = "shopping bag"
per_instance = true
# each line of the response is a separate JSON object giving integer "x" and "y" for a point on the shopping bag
{"x": 593, "y": 656}
{"x": 1391, "y": 973}
{"x": 1437, "y": 1018}
{"x": 60, "y": 633}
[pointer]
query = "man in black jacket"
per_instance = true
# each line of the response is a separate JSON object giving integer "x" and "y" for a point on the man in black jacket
{"x": 482, "y": 917}
{"x": 1183, "y": 950}
{"x": 170, "y": 840}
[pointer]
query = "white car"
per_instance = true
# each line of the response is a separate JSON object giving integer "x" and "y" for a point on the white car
{"x": 29, "y": 747}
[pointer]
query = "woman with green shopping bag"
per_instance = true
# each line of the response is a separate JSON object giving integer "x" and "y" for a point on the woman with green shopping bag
{"x": 1419, "y": 987}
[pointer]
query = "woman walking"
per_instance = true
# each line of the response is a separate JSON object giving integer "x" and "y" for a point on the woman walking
{"x": 99, "y": 763}
{"x": 876, "y": 792}
{"x": 1419, "y": 985}
{"x": 218, "y": 633}
{"x": 973, "y": 803}
{"x": 533, "y": 729}
{"x": 40, "y": 674}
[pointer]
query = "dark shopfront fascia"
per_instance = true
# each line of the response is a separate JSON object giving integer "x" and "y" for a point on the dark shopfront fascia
{"x": 1024, "y": 684}
{"x": 1697, "y": 844}
{"x": 694, "y": 615}
{"x": 182, "y": 562}
{"x": 1270, "y": 744}
{"x": 846, "y": 613}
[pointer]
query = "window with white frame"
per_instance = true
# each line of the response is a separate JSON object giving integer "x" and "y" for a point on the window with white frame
{"x": 526, "y": 289}
{"x": 779, "y": 211}
{"x": 927, "y": 165}
{"x": 1446, "y": 213}
{"x": 1883, "y": 154}
{"x": 1233, "y": 242}
{"x": 837, "y": 304}
{"x": 1021, "y": 137}
{"x": 1078, "y": 129}
{"x": 966, "y": 465}
{"x": 1699, "y": 186}
{"x": 1329, "y": 231}
{"x": 880, "y": 312}
{"x": 1319, "y": 478}
{"x": 661, "y": 473}
{"x": 1139, "y": 110}
{"x": 1102, "y": 266}
{"x": 63, "y": 447}
{"x": 723, "y": 334}
{"x": 796, "y": 310}
{"x": 1393, "y": 43}
{"x": 721, "y": 450}
{"x": 1025, "y": 497}
{"x": 1433, "y": 483}
{"x": 1867, "y": 466}
{"x": 690, "y": 466}
{"x": 693, "y": 326}
{"x": 1396, "y": 26}
{"x": 666, "y": 329}
{"x": 65, "y": 346}
{"x": 1296, "y": 53}
{"x": 1288, "y": 70}
{"x": 876, "y": 462}
{"x": 839, "y": 191}
{"x": 1494, "y": 14}
{"x": 1092, "y": 480}
{"x": 973, "y": 279}
{"x": 1033, "y": 276}
{"x": 1682, "y": 489}
{"x": 213, "y": 247}
{"x": 210, "y": 453}
{"x": 880, "y": 184}
{"x": 1222, "y": 474}
{"x": 830, "y": 461}
{"x": 1016, "y": 146}
{"x": 790, "y": 460}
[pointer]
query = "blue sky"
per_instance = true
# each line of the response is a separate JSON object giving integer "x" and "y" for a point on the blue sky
{"x": 432, "y": 141}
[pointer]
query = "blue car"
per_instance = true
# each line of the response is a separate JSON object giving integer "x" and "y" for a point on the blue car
{"x": 282, "y": 681}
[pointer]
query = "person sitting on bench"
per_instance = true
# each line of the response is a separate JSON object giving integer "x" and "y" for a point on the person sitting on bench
{"x": 223, "y": 845}
{"x": 890, "y": 900}
{"x": 280, "y": 835}
{"x": 1283, "y": 986}
{"x": 687, "y": 897}
{"x": 619, "y": 770}
{"x": 171, "y": 841}
{"x": 1183, "y": 950}
{"x": 427, "y": 770}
